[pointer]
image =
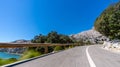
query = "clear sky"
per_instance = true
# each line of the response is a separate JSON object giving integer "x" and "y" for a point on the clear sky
{"x": 23, "y": 19}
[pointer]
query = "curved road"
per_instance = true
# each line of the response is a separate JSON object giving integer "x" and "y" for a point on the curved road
{"x": 85, "y": 56}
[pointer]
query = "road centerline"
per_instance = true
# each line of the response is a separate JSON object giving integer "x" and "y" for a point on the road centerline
{"x": 92, "y": 64}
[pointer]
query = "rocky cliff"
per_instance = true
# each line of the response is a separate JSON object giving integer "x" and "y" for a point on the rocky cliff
{"x": 113, "y": 45}
{"x": 90, "y": 35}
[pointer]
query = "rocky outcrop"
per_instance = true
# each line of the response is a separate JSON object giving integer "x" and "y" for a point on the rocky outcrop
{"x": 112, "y": 45}
{"x": 90, "y": 35}
{"x": 15, "y": 50}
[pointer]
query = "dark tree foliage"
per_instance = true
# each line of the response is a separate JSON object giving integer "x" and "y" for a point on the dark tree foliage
{"x": 52, "y": 37}
{"x": 108, "y": 23}
{"x": 39, "y": 39}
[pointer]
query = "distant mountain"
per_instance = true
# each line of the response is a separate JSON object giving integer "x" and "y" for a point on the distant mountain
{"x": 90, "y": 35}
{"x": 21, "y": 41}
{"x": 15, "y": 50}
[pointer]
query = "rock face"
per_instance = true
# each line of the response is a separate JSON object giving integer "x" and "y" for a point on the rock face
{"x": 113, "y": 45}
{"x": 15, "y": 50}
{"x": 90, "y": 35}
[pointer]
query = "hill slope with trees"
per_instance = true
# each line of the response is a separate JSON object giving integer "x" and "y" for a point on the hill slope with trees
{"x": 108, "y": 23}
{"x": 52, "y": 37}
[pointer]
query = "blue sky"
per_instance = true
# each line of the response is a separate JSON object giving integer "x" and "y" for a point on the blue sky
{"x": 23, "y": 19}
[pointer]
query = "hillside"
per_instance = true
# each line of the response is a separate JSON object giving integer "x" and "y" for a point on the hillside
{"x": 90, "y": 35}
{"x": 108, "y": 23}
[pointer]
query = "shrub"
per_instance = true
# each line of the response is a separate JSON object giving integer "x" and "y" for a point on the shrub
{"x": 57, "y": 48}
{"x": 30, "y": 54}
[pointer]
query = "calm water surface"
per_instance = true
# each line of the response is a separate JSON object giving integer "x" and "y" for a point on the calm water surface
{"x": 8, "y": 55}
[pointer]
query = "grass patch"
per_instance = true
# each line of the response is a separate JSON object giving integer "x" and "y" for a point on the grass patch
{"x": 7, "y": 61}
{"x": 30, "y": 54}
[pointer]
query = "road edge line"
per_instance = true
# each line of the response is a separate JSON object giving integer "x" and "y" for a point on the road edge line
{"x": 92, "y": 64}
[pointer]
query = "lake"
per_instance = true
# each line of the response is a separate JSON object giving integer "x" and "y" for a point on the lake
{"x": 4, "y": 55}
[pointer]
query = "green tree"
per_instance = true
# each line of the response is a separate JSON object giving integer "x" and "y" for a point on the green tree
{"x": 39, "y": 39}
{"x": 52, "y": 37}
{"x": 108, "y": 23}
{"x": 65, "y": 39}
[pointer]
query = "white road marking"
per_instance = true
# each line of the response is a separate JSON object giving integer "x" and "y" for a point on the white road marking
{"x": 92, "y": 64}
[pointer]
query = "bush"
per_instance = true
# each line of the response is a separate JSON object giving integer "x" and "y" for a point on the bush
{"x": 57, "y": 48}
{"x": 50, "y": 49}
{"x": 30, "y": 54}
{"x": 71, "y": 46}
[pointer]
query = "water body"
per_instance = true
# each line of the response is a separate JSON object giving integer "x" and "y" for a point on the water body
{"x": 4, "y": 55}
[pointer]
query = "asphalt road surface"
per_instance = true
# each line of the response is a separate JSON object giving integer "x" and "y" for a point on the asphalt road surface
{"x": 85, "y": 56}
